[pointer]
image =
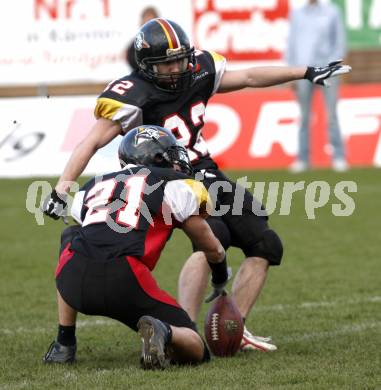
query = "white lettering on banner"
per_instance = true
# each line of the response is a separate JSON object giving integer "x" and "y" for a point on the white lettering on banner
{"x": 375, "y": 14}
{"x": 354, "y": 14}
{"x": 254, "y": 34}
{"x": 240, "y": 5}
{"x": 354, "y": 10}
{"x": 270, "y": 129}
{"x": 361, "y": 116}
{"x": 228, "y": 123}
{"x": 237, "y": 5}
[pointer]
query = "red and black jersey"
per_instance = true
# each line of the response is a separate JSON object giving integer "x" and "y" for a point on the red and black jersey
{"x": 133, "y": 100}
{"x": 132, "y": 212}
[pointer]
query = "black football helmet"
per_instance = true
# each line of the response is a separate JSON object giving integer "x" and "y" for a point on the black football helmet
{"x": 161, "y": 40}
{"x": 156, "y": 146}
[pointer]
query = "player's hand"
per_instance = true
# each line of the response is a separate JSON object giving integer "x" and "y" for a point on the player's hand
{"x": 55, "y": 205}
{"x": 320, "y": 75}
{"x": 219, "y": 289}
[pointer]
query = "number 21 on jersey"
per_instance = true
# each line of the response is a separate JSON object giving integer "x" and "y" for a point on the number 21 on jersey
{"x": 100, "y": 206}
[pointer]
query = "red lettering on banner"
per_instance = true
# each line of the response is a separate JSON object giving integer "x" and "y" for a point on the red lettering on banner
{"x": 51, "y": 7}
{"x": 56, "y": 9}
{"x": 242, "y": 29}
{"x": 69, "y": 8}
{"x": 106, "y": 8}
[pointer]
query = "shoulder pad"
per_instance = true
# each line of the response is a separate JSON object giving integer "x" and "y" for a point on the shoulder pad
{"x": 215, "y": 64}
{"x": 131, "y": 89}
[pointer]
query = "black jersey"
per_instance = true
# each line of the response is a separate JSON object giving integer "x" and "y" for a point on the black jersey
{"x": 133, "y": 212}
{"x": 133, "y": 100}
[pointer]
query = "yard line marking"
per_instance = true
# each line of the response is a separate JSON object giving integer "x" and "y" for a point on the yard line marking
{"x": 108, "y": 322}
{"x": 316, "y": 305}
{"x": 25, "y": 384}
{"x": 346, "y": 329}
{"x": 80, "y": 324}
{"x": 101, "y": 321}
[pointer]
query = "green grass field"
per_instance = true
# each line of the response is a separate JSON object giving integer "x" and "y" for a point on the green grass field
{"x": 322, "y": 306}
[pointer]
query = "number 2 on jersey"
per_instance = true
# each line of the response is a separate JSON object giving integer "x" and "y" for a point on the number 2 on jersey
{"x": 98, "y": 201}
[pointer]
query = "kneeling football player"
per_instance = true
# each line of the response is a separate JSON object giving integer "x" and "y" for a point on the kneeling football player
{"x": 125, "y": 220}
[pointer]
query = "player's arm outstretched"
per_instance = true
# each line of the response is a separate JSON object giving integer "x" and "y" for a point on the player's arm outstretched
{"x": 266, "y": 76}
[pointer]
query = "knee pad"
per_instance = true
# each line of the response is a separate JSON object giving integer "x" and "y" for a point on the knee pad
{"x": 270, "y": 247}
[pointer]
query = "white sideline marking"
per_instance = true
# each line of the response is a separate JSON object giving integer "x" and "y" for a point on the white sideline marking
{"x": 304, "y": 305}
{"x": 80, "y": 324}
{"x": 346, "y": 329}
{"x": 316, "y": 305}
{"x": 14, "y": 386}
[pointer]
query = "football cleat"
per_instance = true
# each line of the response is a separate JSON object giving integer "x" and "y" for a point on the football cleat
{"x": 58, "y": 353}
{"x": 154, "y": 335}
{"x": 251, "y": 343}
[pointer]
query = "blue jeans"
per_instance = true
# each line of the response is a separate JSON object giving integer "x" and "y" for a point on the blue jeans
{"x": 304, "y": 92}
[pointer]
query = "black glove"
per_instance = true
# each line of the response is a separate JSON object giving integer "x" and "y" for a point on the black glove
{"x": 55, "y": 205}
{"x": 319, "y": 75}
{"x": 219, "y": 289}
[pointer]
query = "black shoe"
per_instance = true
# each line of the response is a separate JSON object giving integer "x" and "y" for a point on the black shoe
{"x": 58, "y": 353}
{"x": 154, "y": 335}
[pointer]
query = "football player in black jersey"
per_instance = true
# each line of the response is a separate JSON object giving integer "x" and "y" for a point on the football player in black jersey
{"x": 125, "y": 220}
{"x": 171, "y": 89}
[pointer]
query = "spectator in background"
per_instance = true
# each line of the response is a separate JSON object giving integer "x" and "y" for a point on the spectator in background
{"x": 317, "y": 36}
{"x": 148, "y": 13}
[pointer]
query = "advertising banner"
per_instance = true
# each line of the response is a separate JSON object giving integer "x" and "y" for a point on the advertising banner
{"x": 244, "y": 130}
{"x": 363, "y": 23}
{"x": 242, "y": 30}
{"x": 46, "y": 41}
{"x": 57, "y": 41}
{"x": 260, "y": 129}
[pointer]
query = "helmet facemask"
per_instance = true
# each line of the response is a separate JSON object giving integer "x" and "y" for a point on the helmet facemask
{"x": 173, "y": 81}
{"x": 178, "y": 156}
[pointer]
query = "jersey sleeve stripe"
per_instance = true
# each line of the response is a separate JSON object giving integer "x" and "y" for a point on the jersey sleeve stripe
{"x": 202, "y": 195}
{"x": 106, "y": 108}
{"x": 220, "y": 65}
{"x": 198, "y": 189}
{"x": 128, "y": 115}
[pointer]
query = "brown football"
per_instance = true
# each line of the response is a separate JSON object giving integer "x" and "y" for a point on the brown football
{"x": 223, "y": 327}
